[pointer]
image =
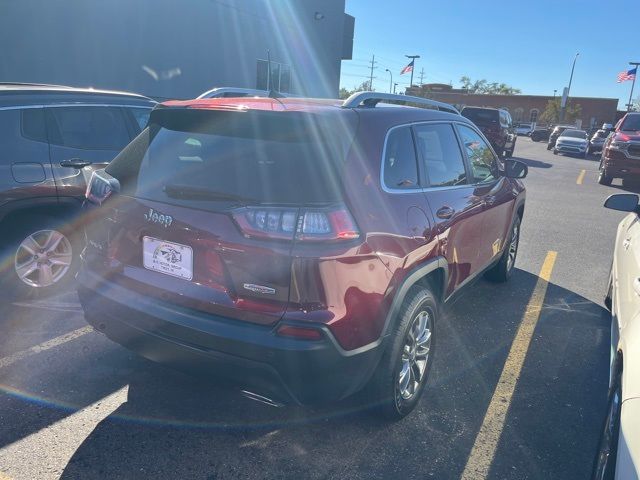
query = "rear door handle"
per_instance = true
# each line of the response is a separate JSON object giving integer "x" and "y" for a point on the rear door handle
{"x": 445, "y": 212}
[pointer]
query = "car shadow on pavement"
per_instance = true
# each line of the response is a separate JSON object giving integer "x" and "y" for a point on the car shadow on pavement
{"x": 533, "y": 163}
{"x": 177, "y": 426}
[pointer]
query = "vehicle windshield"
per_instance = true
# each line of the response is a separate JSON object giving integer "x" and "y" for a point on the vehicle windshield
{"x": 574, "y": 134}
{"x": 631, "y": 123}
{"x": 477, "y": 115}
{"x": 204, "y": 158}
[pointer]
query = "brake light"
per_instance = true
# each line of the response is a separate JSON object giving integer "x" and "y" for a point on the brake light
{"x": 622, "y": 137}
{"x": 101, "y": 186}
{"x": 302, "y": 224}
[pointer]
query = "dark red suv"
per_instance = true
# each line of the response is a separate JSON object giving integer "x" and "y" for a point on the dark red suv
{"x": 621, "y": 151}
{"x": 302, "y": 248}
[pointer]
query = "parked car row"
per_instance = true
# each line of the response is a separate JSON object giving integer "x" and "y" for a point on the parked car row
{"x": 496, "y": 125}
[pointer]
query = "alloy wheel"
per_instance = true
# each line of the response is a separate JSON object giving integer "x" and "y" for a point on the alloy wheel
{"x": 43, "y": 258}
{"x": 415, "y": 356}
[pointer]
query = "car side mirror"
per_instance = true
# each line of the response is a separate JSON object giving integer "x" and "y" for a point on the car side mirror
{"x": 624, "y": 202}
{"x": 75, "y": 163}
{"x": 515, "y": 168}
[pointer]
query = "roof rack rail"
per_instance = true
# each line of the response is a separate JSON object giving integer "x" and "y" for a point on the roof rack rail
{"x": 371, "y": 99}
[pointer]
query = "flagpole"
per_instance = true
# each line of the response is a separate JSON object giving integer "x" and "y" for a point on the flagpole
{"x": 633, "y": 84}
{"x": 413, "y": 59}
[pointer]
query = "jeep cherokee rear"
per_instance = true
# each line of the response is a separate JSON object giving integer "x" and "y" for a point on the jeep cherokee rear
{"x": 290, "y": 244}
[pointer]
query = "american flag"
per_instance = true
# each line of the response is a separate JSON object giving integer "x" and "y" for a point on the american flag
{"x": 628, "y": 75}
{"x": 408, "y": 68}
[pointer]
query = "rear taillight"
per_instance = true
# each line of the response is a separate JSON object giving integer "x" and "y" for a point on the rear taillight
{"x": 304, "y": 224}
{"x": 101, "y": 186}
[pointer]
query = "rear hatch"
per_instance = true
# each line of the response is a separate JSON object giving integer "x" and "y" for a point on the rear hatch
{"x": 487, "y": 120}
{"x": 211, "y": 202}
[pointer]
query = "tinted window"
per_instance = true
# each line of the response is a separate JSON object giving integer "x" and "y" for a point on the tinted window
{"x": 481, "y": 158}
{"x": 481, "y": 115}
{"x": 574, "y": 133}
{"x": 141, "y": 115}
{"x": 440, "y": 154}
{"x": 88, "y": 128}
{"x": 631, "y": 123}
{"x": 400, "y": 167}
{"x": 33, "y": 124}
{"x": 198, "y": 158}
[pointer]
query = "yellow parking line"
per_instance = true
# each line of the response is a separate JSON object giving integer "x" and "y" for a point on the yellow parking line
{"x": 49, "y": 344}
{"x": 581, "y": 177}
{"x": 484, "y": 447}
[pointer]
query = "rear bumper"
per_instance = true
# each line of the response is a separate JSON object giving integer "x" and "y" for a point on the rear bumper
{"x": 248, "y": 355}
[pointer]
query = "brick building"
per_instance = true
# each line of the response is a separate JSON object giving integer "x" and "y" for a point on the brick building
{"x": 523, "y": 108}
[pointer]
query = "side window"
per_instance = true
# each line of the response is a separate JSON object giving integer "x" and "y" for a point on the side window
{"x": 33, "y": 125}
{"x": 88, "y": 128}
{"x": 440, "y": 154}
{"x": 400, "y": 169}
{"x": 483, "y": 162}
{"x": 141, "y": 116}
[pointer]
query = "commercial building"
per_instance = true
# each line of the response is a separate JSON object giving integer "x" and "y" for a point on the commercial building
{"x": 523, "y": 108}
{"x": 177, "y": 49}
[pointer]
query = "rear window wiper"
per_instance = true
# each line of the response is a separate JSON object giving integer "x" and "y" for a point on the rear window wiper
{"x": 189, "y": 192}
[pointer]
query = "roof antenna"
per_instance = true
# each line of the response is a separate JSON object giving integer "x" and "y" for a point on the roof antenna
{"x": 272, "y": 93}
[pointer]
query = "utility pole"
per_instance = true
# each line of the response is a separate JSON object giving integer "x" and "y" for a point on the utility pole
{"x": 564, "y": 107}
{"x": 413, "y": 59}
{"x": 633, "y": 84}
{"x": 373, "y": 67}
{"x": 421, "y": 75}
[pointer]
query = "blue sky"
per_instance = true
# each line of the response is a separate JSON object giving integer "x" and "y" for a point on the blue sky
{"x": 529, "y": 45}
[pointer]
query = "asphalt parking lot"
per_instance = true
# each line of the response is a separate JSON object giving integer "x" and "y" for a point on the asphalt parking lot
{"x": 73, "y": 405}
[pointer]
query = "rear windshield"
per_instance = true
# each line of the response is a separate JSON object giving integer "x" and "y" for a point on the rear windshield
{"x": 601, "y": 134}
{"x": 479, "y": 115}
{"x": 631, "y": 123}
{"x": 204, "y": 158}
{"x": 574, "y": 133}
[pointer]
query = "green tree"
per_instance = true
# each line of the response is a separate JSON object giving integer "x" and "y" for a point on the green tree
{"x": 483, "y": 86}
{"x": 345, "y": 93}
{"x": 551, "y": 113}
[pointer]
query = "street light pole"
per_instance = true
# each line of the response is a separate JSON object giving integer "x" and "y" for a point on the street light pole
{"x": 633, "y": 84}
{"x": 391, "y": 80}
{"x": 413, "y": 59}
{"x": 394, "y": 87}
{"x": 554, "y": 93}
{"x": 563, "y": 109}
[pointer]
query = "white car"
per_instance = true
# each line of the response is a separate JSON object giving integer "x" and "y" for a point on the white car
{"x": 573, "y": 142}
{"x": 619, "y": 450}
{"x": 524, "y": 129}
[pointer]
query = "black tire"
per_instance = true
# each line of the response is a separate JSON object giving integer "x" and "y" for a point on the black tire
{"x": 38, "y": 227}
{"x": 501, "y": 271}
{"x": 603, "y": 178}
{"x": 555, "y": 152}
{"x": 604, "y": 466}
{"x": 549, "y": 146}
{"x": 385, "y": 385}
